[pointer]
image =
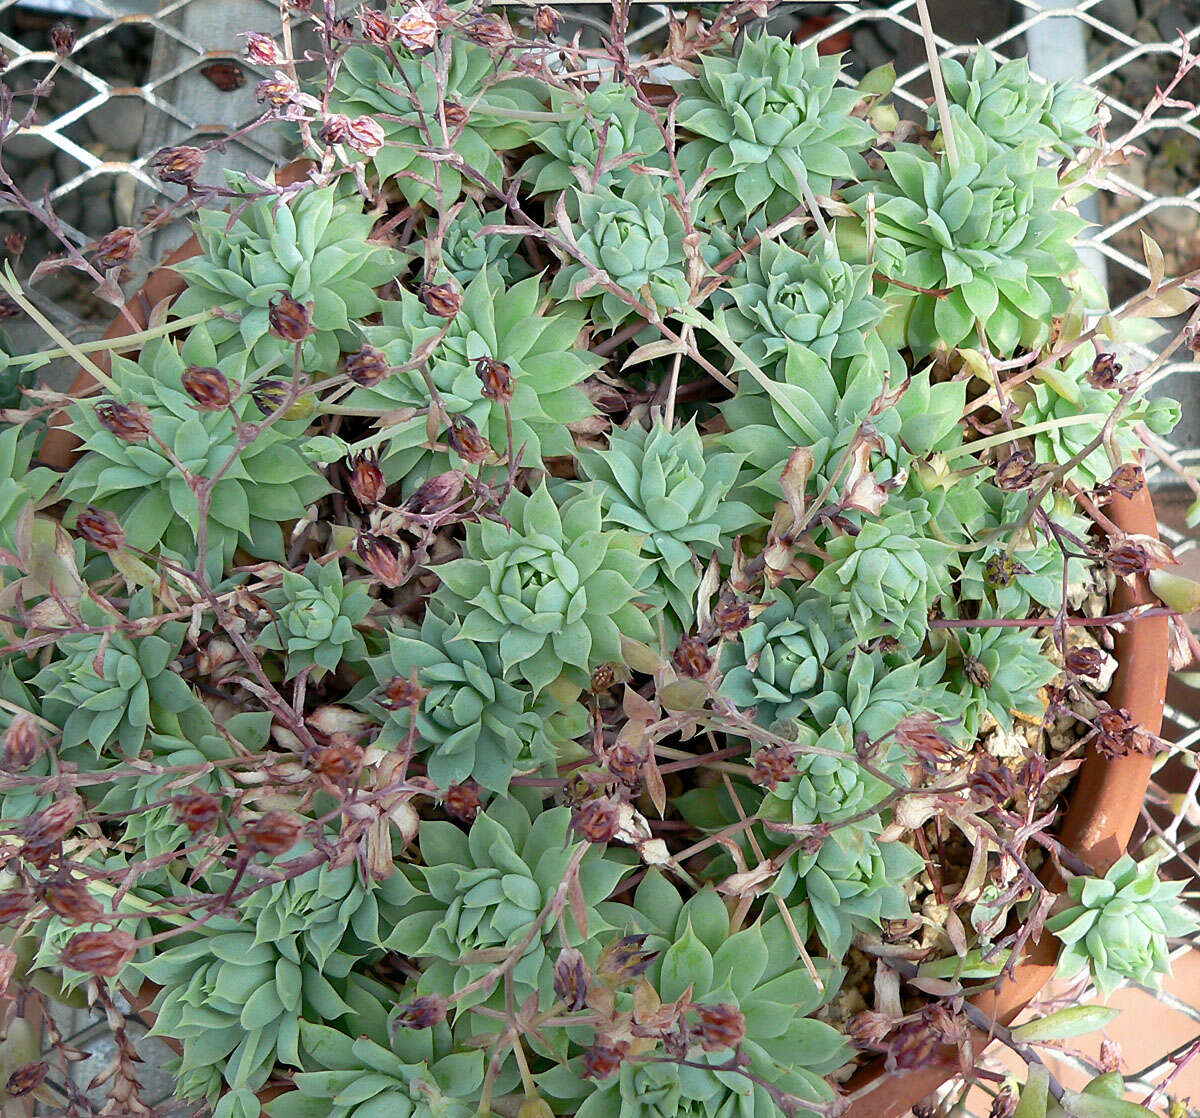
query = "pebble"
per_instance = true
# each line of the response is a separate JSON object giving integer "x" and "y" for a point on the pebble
{"x": 119, "y": 124}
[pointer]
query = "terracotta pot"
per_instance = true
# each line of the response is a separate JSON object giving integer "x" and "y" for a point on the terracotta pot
{"x": 1104, "y": 805}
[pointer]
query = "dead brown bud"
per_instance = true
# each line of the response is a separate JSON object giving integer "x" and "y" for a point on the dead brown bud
{"x": 440, "y": 299}
{"x": 571, "y": 978}
{"x": 366, "y": 367}
{"x": 100, "y": 528}
{"x": 21, "y": 743}
{"x": 131, "y": 422}
{"x": 497, "y": 380}
{"x": 462, "y": 801}
{"x": 116, "y": 247}
{"x": 208, "y": 387}
{"x": 102, "y": 953}
{"x": 290, "y": 319}
{"x": 274, "y": 833}
{"x": 367, "y": 482}
{"x": 178, "y": 165}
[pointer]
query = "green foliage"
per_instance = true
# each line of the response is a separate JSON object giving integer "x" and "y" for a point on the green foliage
{"x": 19, "y": 484}
{"x": 466, "y": 251}
{"x": 553, "y": 592}
{"x": 1000, "y": 672}
{"x": 1117, "y": 928}
{"x": 315, "y": 246}
{"x": 769, "y": 122}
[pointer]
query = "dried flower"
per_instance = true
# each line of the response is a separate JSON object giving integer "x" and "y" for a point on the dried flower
{"x": 867, "y": 1029}
{"x": 102, "y": 953}
{"x": 417, "y": 29}
{"x": 46, "y": 830}
{"x": 338, "y": 762}
{"x": 491, "y": 32}
{"x": 441, "y": 299}
{"x": 366, "y": 367}
{"x": 21, "y": 743}
{"x": 691, "y": 658}
{"x": 1085, "y": 660}
{"x": 382, "y": 559}
{"x": 131, "y": 422}
{"x": 400, "y": 693}
{"x": 362, "y": 134}
{"x": 278, "y": 91}
{"x": 72, "y": 900}
{"x": 274, "y": 833}
{"x": 625, "y": 960}
{"x": 198, "y": 812}
{"x": 437, "y": 494}
{"x": 26, "y": 1079}
{"x": 116, "y": 248}
{"x": 1127, "y": 479}
{"x": 1105, "y": 371}
{"x": 100, "y": 528}
{"x": 720, "y": 1026}
{"x": 1016, "y": 471}
{"x": 225, "y": 74}
{"x": 462, "y": 801}
{"x": 496, "y": 378}
{"x": 1128, "y": 558}
{"x": 730, "y": 615}
{"x": 1114, "y": 732}
{"x": 208, "y": 387}
{"x": 603, "y": 1060}
{"x": 14, "y": 905}
{"x": 603, "y": 677}
{"x": 773, "y": 766}
{"x": 263, "y": 49}
{"x": 1000, "y": 571}
{"x": 178, "y": 165}
{"x": 571, "y": 978}
{"x": 290, "y": 319}
{"x": 597, "y": 820}
{"x": 378, "y": 27}
{"x": 921, "y": 734}
{"x": 993, "y": 783}
{"x": 466, "y": 441}
{"x": 457, "y": 116}
{"x": 422, "y": 1013}
{"x": 547, "y": 21}
{"x": 367, "y": 482}
{"x": 62, "y": 39}
{"x": 913, "y": 1045}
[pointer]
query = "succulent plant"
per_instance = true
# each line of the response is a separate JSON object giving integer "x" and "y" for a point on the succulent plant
{"x": 401, "y": 91}
{"x": 466, "y": 251}
{"x": 1117, "y": 928}
{"x": 605, "y": 125}
{"x": 662, "y": 485}
{"x": 553, "y": 593}
{"x": 636, "y": 237}
{"x": 768, "y": 123}
{"x": 779, "y": 294}
{"x": 758, "y": 973}
{"x": 992, "y": 231}
{"x": 269, "y": 481}
{"x": 19, "y": 484}
{"x": 314, "y": 620}
{"x": 501, "y": 324}
{"x": 313, "y": 246}
{"x": 1000, "y": 672}
{"x": 108, "y": 685}
{"x": 486, "y": 887}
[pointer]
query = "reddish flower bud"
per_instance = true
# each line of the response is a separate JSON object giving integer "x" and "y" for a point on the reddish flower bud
{"x": 457, "y": 115}
{"x": 773, "y": 766}
{"x": 274, "y": 833}
{"x": 383, "y": 560}
{"x": 208, "y": 387}
{"x": 441, "y": 299}
{"x": 378, "y": 27}
{"x": 1016, "y": 471}
{"x": 417, "y": 29}
{"x": 1105, "y": 371}
{"x": 720, "y": 1026}
{"x": 179, "y": 165}
{"x": 63, "y": 39}
{"x": 46, "y": 830}
{"x": 547, "y": 21}
{"x": 278, "y": 91}
{"x": 422, "y": 1013}
{"x": 437, "y": 494}
{"x": 14, "y": 905}
{"x": 691, "y": 658}
{"x": 21, "y": 743}
{"x": 367, "y": 367}
{"x": 603, "y": 1060}
{"x": 100, "y": 528}
{"x": 225, "y": 74}
{"x": 1085, "y": 660}
{"x": 367, "y": 482}
{"x": 400, "y": 693}
{"x": 571, "y": 978}
{"x": 290, "y": 319}
{"x": 462, "y": 801}
{"x": 597, "y": 820}
{"x": 26, "y": 1079}
{"x": 263, "y": 49}
{"x": 496, "y": 378}
{"x": 116, "y": 248}
{"x": 491, "y": 32}
{"x": 131, "y": 422}
{"x": 102, "y": 953}
{"x": 199, "y": 812}
{"x": 466, "y": 441}
{"x": 730, "y": 615}
{"x": 72, "y": 900}
{"x": 1128, "y": 558}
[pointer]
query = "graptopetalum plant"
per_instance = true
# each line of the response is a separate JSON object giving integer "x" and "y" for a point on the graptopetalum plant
{"x": 587, "y": 592}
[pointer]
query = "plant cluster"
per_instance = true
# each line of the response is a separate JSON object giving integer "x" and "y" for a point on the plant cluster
{"x": 528, "y": 628}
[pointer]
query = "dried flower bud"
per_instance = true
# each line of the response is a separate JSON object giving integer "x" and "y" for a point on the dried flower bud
{"x": 46, "y": 830}
{"x": 225, "y": 74}
{"x": 867, "y": 1028}
{"x": 462, "y": 801}
{"x": 1128, "y": 558}
{"x": 1001, "y": 571}
{"x": 921, "y": 734}
{"x": 1015, "y": 472}
{"x": 14, "y": 905}
{"x": 691, "y": 658}
{"x": 100, "y": 528}
{"x": 1127, "y": 479}
{"x": 366, "y": 367}
{"x": 290, "y": 319}
{"x": 26, "y": 1079}
{"x": 337, "y": 762}
{"x": 993, "y": 784}
{"x": 597, "y": 820}
{"x": 271, "y": 395}
{"x": 773, "y": 765}
{"x": 73, "y": 901}
{"x": 198, "y": 812}
{"x": 274, "y": 833}
{"x": 1085, "y": 660}
{"x": 382, "y": 559}
{"x": 178, "y": 165}
{"x": 466, "y": 441}
{"x": 116, "y": 248}
{"x": 63, "y": 39}
{"x": 417, "y": 29}
{"x": 625, "y": 960}
{"x": 422, "y": 1013}
{"x": 362, "y": 134}
{"x": 343, "y": 29}
{"x": 208, "y": 387}
{"x": 976, "y": 671}
{"x": 102, "y": 953}
{"x": 457, "y": 116}
{"x": 378, "y": 27}
{"x": 1105, "y": 371}
{"x": 1004, "y": 1105}
{"x": 720, "y": 1026}
{"x": 571, "y": 978}
{"x": 278, "y": 91}
{"x": 603, "y": 1060}
{"x": 491, "y": 32}
{"x": 625, "y": 762}
{"x": 263, "y": 49}
{"x": 21, "y": 744}
{"x": 367, "y": 482}
{"x": 400, "y": 693}
{"x": 730, "y": 615}
{"x": 1110, "y": 1055}
{"x": 131, "y": 422}
{"x": 1114, "y": 732}
{"x": 496, "y": 378}
{"x": 603, "y": 677}
{"x": 437, "y": 494}
{"x": 913, "y": 1045}
{"x": 547, "y": 21}
{"x": 440, "y": 299}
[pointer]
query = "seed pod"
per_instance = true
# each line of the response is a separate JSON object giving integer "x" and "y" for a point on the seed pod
{"x": 720, "y": 1026}
{"x": 1105, "y": 371}
{"x": 417, "y": 29}
{"x": 462, "y": 801}
{"x": 26, "y": 1079}
{"x": 597, "y": 820}
{"x": 773, "y": 766}
{"x": 378, "y": 27}
{"x": 441, "y": 299}
{"x": 100, "y": 528}
{"x": 290, "y": 319}
{"x": 466, "y": 441}
{"x": 491, "y": 32}
{"x": 547, "y": 21}
{"x": 117, "y": 247}
{"x": 400, "y": 693}
{"x": 1015, "y": 472}
{"x": 382, "y": 559}
{"x": 45, "y": 831}
{"x": 437, "y": 494}
{"x": 274, "y": 833}
{"x": 72, "y": 901}
{"x": 131, "y": 422}
{"x": 1085, "y": 660}
{"x": 263, "y": 49}
{"x": 22, "y": 742}
{"x": 178, "y": 165}
{"x": 422, "y": 1013}
{"x": 691, "y": 658}
{"x": 63, "y": 39}
{"x": 571, "y": 978}
{"x": 367, "y": 482}
{"x": 102, "y": 953}
{"x": 208, "y": 387}
{"x": 367, "y": 367}
{"x": 199, "y": 812}
{"x": 496, "y": 378}
{"x": 603, "y": 1060}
